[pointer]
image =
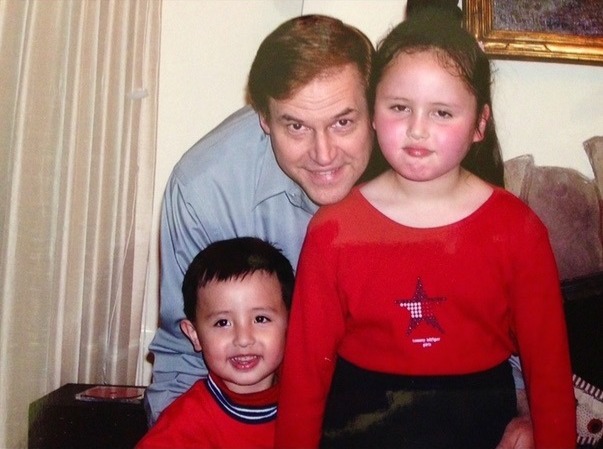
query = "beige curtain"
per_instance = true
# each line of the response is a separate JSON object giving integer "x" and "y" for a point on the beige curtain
{"x": 78, "y": 107}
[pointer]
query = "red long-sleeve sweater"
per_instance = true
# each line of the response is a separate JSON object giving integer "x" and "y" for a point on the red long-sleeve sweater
{"x": 454, "y": 299}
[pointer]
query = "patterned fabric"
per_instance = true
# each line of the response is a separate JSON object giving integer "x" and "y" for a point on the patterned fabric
{"x": 589, "y": 412}
{"x": 246, "y": 414}
{"x": 367, "y": 409}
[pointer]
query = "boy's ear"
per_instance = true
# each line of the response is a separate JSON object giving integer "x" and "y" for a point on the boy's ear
{"x": 188, "y": 328}
{"x": 482, "y": 123}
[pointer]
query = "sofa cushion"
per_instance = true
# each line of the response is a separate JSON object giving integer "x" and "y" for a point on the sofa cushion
{"x": 568, "y": 203}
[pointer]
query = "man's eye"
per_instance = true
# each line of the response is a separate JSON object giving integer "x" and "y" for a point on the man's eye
{"x": 295, "y": 126}
{"x": 342, "y": 123}
{"x": 221, "y": 323}
{"x": 262, "y": 319}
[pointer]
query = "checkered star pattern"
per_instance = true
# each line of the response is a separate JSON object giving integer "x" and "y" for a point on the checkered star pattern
{"x": 421, "y": 308}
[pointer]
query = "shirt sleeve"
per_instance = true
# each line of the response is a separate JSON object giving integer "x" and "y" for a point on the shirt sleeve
{"x": 541, "y": 334}
{"x": 315, "y": 327}
{"x": 227, "y": 184}
{"x": 176, "y": 366}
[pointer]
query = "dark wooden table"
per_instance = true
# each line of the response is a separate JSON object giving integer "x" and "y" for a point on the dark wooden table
{"x": 58, "y": 420}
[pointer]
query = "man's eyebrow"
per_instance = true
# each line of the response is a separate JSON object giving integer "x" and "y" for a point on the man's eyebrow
{"x": 345, "y": 112}
{"x": 290, "y": 118}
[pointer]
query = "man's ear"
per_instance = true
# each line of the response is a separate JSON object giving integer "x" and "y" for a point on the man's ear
{"x": 188, "y": 328}
{"x": 482, "y": 123}
{"x": 264, "y": 123}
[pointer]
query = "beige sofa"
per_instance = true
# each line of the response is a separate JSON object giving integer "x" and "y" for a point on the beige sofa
{"x": 571, "y": 205}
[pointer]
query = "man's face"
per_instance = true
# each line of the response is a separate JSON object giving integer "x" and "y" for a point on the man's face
{"x": 322, "y": 136}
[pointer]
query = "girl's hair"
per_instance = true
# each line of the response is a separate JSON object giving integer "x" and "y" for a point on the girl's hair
{"x": 439, "y": 30}
{"x": 234, "y": 259}
{"x": 301, "y": 49}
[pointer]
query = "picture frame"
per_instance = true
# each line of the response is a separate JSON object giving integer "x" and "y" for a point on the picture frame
{"x": 506, "y": 31}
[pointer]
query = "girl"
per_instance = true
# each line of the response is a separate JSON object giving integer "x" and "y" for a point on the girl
{"x": 413, "y": 291}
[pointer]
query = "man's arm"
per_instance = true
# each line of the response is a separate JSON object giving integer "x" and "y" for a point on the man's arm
{"x": 176, "y": 366}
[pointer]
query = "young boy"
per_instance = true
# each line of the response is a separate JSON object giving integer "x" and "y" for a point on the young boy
{"x": 237, "y": 295}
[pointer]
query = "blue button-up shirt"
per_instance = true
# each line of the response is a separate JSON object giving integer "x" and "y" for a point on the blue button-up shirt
{"x": 227, "y": 185}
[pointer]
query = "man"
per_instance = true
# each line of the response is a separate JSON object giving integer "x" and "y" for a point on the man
{"x": 264, "y": 171}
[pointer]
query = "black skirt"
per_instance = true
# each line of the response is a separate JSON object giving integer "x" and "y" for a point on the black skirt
{"x": 368, "y": 409}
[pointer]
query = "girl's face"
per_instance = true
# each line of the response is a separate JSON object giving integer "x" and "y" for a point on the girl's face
{"x": 425, "y": 117}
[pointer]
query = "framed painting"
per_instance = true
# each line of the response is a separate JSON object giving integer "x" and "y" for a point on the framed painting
{"x": 553, "y": 30}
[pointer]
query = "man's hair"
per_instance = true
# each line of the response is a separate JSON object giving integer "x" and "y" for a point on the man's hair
{"x": 439, "y": 30}
{"x": 234, "y": 259}
{"x": 301, "y": 49}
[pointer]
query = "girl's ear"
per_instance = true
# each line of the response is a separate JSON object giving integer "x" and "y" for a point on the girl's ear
{"x": 482, "y": 123}
{"x": 188, "y": 328}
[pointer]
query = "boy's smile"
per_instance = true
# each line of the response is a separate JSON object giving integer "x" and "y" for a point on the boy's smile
{"x": 240, "y": 329}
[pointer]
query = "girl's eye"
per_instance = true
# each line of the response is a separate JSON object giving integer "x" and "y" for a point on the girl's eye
{"x": 221, "y": 323}
{"x": 399, "y": 108}
{"x": 262, "y": 319}
{"x": 443, "y": 114}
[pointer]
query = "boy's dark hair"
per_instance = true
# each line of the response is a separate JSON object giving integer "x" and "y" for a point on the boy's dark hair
{"x": 439, "y": 29}
{"x": 234, "y": 259}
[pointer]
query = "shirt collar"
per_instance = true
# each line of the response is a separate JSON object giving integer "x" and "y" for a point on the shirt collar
{"x": 273, "y": 181}
{"x": 242, "y": 407}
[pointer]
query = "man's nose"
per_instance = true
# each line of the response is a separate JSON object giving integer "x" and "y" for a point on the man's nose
{"x": 324, "y": 150}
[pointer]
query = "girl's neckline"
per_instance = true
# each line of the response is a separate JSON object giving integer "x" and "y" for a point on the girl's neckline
{"x": 471, "y": 216}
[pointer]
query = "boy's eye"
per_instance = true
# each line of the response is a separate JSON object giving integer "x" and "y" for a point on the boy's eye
{"x": 221, "y": 323}
{"x": 262, "y": 319}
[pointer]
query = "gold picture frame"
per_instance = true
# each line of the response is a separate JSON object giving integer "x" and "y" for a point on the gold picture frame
{"x": 532, "y": 44}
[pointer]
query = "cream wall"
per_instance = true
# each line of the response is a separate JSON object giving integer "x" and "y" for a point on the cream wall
{"x": 207, "y": 47}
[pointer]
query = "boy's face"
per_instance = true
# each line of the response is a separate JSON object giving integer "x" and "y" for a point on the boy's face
{"x": 240, "y": 327}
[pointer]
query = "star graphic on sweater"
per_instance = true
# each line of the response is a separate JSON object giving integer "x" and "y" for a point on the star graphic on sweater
{"x": 421, "y": 308}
